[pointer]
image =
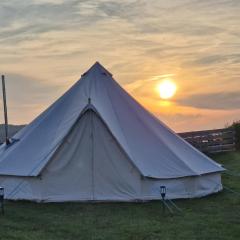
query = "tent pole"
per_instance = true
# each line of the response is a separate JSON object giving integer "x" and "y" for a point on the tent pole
{"x": 5, "y": 110}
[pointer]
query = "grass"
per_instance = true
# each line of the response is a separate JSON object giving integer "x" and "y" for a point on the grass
{"x": 214, "y": 217}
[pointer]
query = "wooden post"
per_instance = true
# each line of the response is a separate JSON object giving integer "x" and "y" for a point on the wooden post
{"x": 5, "y": 110}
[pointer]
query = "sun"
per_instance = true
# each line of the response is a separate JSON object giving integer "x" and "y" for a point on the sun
{"x": 167, "y": 89}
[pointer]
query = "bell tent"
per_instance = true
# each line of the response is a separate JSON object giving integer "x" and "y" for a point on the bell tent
{"x": 97, "y": 143}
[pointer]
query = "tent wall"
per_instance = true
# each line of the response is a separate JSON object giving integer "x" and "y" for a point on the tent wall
{"x": 33, "y": 188}
{"x": 187, "y": 187}
{"x": 90, "y": 165}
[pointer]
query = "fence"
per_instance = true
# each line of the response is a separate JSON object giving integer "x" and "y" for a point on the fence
{"x": 212, "y": 141}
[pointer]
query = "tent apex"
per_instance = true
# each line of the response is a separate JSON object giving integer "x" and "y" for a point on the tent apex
{"x": 97, "y": 67}
{"x": 97, "y": 64}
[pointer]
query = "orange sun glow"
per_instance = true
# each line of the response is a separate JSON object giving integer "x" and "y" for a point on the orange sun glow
{"x": 166, "y": 89}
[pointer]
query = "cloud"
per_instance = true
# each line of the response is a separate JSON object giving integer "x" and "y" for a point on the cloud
{"x": 215, "y": 101}
{"x": 26, "y": 19}
{"x": 19, "y": 87}
{"x": 41, "y": 16}
{"x": 27, "y": 96}
{"x": 181, "y": 117}
{"x": 216, "y": 59}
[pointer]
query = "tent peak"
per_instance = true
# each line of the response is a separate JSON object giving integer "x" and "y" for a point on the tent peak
{"x": 98, "y": 68}
{"x": 97, "y": 65}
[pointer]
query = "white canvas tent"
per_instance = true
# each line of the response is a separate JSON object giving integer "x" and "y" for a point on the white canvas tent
{"x": 97, "y": 143}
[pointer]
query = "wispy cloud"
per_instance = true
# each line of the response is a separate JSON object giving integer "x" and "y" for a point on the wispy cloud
{"x": 27, "y": 95}
{"x": 217, "y": 59}
{"x": 219, "y": 100}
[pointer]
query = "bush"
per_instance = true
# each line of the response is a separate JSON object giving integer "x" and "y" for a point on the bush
{"x": 236, "y": 127}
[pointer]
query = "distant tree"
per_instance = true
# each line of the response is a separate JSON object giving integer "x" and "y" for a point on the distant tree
{"x": 236, "y": 126}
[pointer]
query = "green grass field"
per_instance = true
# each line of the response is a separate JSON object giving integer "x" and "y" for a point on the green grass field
{"x": 215, "y": 217}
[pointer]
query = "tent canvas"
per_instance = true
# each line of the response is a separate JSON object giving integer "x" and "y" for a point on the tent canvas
{"x": 97, "y": 143}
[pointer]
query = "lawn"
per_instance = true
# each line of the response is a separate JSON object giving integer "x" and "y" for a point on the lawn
{"x": 215, "y": 217}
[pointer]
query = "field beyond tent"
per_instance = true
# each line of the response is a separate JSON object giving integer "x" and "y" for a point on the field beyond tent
{"x": 213, "y": 217}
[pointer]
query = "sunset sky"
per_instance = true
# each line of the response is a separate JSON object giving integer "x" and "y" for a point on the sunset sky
{"x": 47, "y": 44}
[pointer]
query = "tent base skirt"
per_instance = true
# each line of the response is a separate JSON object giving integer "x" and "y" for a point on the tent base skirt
{"x": 32, "y": 189}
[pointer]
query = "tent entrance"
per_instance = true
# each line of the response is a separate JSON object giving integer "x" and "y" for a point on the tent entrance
{"x": 90, "y": 165}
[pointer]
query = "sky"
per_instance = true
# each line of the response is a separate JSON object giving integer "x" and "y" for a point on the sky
{"x": 45, "y": 46}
